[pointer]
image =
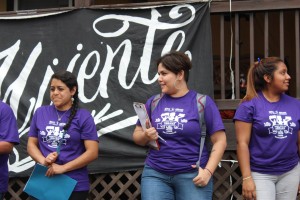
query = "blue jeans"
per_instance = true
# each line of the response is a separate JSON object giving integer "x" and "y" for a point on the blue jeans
{"x": 158, "y": 186}
{"x": 2, "y": 195}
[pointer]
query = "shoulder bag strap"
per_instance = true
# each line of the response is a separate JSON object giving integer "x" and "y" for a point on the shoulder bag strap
{"x": 201, "y": 101}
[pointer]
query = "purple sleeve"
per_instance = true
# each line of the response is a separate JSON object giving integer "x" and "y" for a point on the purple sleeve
{"x": 244, "y": 113}
{"x": 8, "y": 125}
{"x": 88, "y": 128}
{"x": 32, "y": 131}
{"x": 212, "y": 116}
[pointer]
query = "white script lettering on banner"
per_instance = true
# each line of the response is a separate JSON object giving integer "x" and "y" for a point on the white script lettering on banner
{"x": 100, "y": 62}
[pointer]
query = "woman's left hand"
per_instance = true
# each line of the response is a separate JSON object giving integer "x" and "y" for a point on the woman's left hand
{"x": 202, "y": 178}
{"x": 55, "y": 169}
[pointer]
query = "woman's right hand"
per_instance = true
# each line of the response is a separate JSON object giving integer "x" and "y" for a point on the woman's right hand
{"x": 249, "y": 189}
{"x": 150, "y": 132}
{"x": 51, "y": 158}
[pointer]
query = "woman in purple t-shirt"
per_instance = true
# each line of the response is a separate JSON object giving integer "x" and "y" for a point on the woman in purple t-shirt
{"x": 64, "y": 137}
{"x": 267, "y": 124}
{"x": 8, "y": 138}
{"x": 170, "y": 172}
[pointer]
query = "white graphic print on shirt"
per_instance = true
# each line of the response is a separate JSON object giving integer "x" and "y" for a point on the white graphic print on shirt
{"x": 280, "y": 124}
{"x": 170, "y": 121}
{"x": 53, "y": 135}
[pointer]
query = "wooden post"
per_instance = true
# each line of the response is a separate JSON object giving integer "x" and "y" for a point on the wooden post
{"x": 83, "y": 3}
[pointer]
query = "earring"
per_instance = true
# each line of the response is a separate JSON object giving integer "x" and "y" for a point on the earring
{"x": 178, "y": 88}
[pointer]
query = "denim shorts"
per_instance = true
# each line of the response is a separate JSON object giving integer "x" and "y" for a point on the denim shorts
{"x": 156, "y": 185}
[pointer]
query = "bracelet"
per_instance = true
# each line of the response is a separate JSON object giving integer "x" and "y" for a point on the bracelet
{"x": 209, "y": 171}
{"x": 248, "y": 177}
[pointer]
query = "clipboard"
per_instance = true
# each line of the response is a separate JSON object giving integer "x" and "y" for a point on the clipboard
{"x": 142, "y": 114}
{"x": 58, "y": 187}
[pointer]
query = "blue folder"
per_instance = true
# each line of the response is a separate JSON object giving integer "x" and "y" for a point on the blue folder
{"x": 58, "y": 187}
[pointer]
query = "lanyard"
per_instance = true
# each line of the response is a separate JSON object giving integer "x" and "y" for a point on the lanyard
{"x": 60, "y": 142}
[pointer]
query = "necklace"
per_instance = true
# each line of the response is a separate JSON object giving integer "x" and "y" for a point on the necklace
{"x": 60, "y": 117}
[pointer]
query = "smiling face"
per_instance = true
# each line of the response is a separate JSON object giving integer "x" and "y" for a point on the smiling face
{"x": 61, "y": 95}
{"x": 166, "y": 79}
{"x": 280, "y": 81}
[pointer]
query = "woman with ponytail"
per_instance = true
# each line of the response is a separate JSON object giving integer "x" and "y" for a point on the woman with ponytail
{"x": 267, "y": 124}
{"x": 64, "y": 137}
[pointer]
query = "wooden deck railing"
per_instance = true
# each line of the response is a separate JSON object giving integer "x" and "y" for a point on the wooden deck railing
{"x": 249, "y": 30}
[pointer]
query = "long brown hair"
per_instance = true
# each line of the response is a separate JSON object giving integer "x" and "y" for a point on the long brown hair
{"x": 256, "y": 73}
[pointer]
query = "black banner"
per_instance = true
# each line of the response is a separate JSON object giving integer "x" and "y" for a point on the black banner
{"x": 113, "y": 54}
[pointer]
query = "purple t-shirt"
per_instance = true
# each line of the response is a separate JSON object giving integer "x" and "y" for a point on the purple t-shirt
{"x": 273, "y": 144}
{"x": 8, "y": 133}
{"x": 177, "y": 121}
{"x": 48, "y": 130}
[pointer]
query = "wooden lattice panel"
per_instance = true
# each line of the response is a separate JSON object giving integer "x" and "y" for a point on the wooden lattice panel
{"x": 116, "y": 186}
{"x": 227, "y": 178}
{"x": 15, "y": 189}
{"x": 126, "y": 185}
